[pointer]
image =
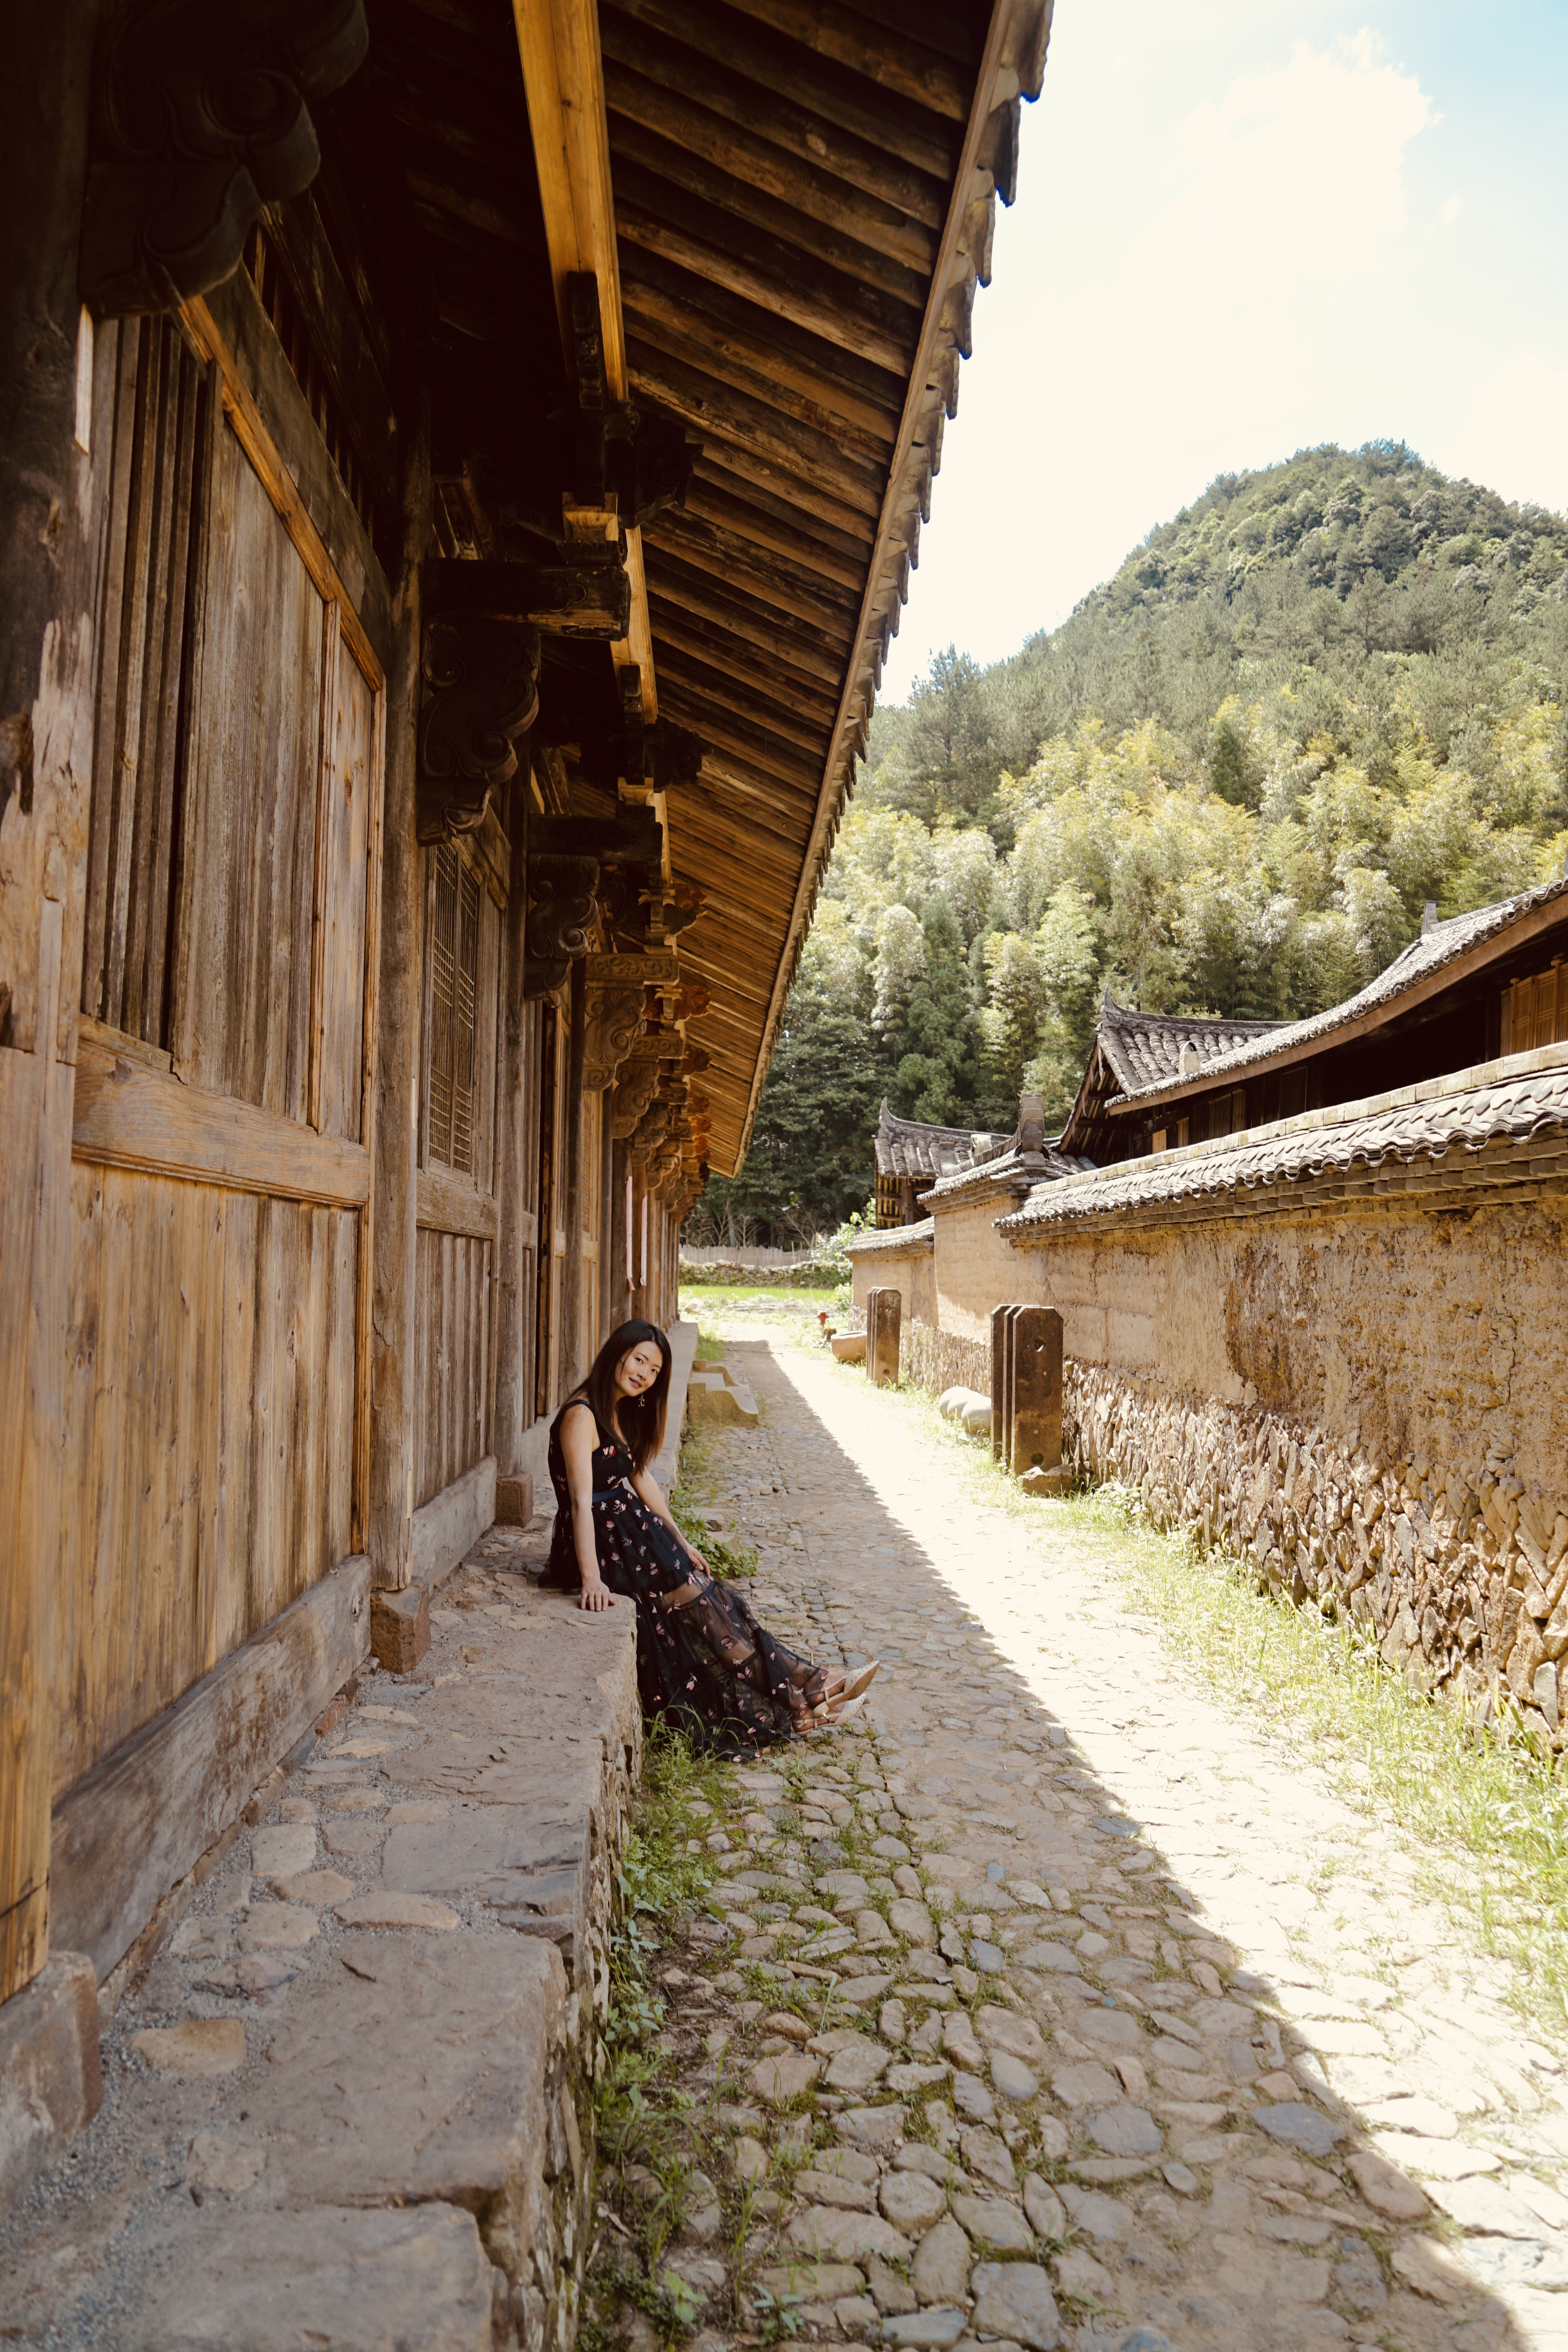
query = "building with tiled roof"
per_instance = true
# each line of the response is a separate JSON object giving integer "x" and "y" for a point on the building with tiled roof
{"x": 1133, "y": 1049}
{"x": 911, "y": 1154}
{"x": 1466, "y": 991}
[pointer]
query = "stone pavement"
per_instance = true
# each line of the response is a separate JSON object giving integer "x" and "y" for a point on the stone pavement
{"x": 1055, "y": 2006}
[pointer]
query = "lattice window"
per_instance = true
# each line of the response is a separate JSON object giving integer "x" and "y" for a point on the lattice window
{"x": 267, "y": 274}
{"x": 1535, "y": 1011}
{"x": 454, "y": 1011}
{"x": 156, "y": 425}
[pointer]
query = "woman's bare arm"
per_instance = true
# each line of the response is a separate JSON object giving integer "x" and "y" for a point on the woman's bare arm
{"x": 578, "y": 1432}
{"x": 652, "y": 1494}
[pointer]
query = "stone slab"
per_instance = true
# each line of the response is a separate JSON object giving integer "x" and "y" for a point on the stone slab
{"x": 347, "y": 2280}
{"x": 437, "y": 2052}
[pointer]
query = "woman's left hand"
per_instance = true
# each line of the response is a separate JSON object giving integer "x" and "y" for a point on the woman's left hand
{"x": 695, "y": 1556}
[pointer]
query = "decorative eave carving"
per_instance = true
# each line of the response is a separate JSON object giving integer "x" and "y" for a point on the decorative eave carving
{"x": 480, "y": 695}
{"x": 613, "y": 1006}
{"x": 560, "y": 907}
{"x": 199, "y": 118}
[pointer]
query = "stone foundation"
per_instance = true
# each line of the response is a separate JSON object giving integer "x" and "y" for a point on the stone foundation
{"x": 1465, "y": 1586}
{"x": 944, "y": 1359}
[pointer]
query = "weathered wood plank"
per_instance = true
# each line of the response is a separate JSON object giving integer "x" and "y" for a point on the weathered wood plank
{"x": 128, "y": 1115}
{"x": 347, "y": 769}
{"x": 133, "y": 1826}
{"x": 906, "y": 134}
{"x": 708, "y": 112}
{"x": 35, "y": 1127}
{"x": 449, "y": 1205}
{"x": 828, "y": 232}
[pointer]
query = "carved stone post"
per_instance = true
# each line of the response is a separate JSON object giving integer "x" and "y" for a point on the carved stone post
{"x": 998, "y": 1379}
{"x": 1035, "y": 1439}
{"x": 884, "y": 1319}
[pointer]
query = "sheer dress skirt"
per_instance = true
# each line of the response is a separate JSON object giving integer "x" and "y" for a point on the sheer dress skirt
{"x": 704, "y": 1662}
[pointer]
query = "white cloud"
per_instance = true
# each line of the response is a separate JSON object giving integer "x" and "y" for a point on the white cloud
{"x": 1515, "y": 437}
{"x": 1302, "y": 168}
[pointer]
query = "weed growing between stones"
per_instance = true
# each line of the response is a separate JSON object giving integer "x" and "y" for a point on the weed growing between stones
{"x": 691, "y": 1500}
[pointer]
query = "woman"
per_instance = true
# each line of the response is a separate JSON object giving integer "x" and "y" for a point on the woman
{"x": 703, "y": 1661}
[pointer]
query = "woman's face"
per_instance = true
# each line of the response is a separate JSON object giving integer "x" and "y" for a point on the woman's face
{"x": 637, "y": 1373}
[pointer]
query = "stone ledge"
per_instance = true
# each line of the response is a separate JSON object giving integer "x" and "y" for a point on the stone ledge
{"x": 443, "y": 2063}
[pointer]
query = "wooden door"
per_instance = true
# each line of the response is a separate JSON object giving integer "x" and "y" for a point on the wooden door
{"x": 217, "y": 1373}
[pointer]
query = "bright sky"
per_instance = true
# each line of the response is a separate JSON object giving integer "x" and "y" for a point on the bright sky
{"x": 1242, "y": 228}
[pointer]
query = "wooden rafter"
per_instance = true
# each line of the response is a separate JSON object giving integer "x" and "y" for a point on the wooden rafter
{"x": 563, "y": 76}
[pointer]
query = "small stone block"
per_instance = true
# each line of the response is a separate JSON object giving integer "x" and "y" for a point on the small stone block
{"x": 400, "y": 1628}
{"x": 201, "y": 2047}
{"x": 849, "y": 1347}
{"x": 924, "y": 2331}
{"x": 49, "y": 2080}
{"x": 514, "y": 1502}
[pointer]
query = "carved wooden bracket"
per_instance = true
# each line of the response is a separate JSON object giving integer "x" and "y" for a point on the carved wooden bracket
{"x": 560, "y": 907}
{"x": 198, "y": 120}
{"x": 635, "y": 1084}
{"x": 481, "y": 694}
{"x": 634, "y": 456}
{"x": 613, "y": 1006}
{"x": 587, "y": 596}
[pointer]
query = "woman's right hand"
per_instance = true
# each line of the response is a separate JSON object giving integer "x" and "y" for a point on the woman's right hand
{"x": 596, "y": 1595}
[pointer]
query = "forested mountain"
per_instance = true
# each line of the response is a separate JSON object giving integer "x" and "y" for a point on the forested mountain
{"x": 1324, "y": 694}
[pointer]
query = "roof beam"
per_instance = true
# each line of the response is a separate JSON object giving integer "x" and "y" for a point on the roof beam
{"x": 563, "y": 78}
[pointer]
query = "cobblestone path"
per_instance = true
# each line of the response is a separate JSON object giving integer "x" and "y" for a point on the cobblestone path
{"x": 1053, "y": 2006}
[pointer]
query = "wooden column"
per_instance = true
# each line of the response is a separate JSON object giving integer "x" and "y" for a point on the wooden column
{"x": 572, "y": 1365}
{"x": 514, "y": 1300}
{"x": 393, "y": 1379}
{"x": 608, "y": 1313}
{"x": 36, "y": 1096}
{"x": 546, "y": 1205}
{"x": 1036, "y": 1436}
{"x": 52, "y": 460}
{"x": 884, "y": 1319}
{"x": 618, "y": 1289}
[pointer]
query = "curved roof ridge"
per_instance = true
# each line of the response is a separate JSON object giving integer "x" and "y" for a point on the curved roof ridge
{"x": 1442, "y": 943}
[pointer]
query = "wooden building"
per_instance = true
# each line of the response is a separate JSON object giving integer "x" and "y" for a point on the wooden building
{"x": 463, "y": 467}
{"x": 1473, "y": 989}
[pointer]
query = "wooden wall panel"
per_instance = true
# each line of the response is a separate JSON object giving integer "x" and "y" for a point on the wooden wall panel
{"x": 452, "y": 1306}
{"x": 345, "y": 820}
{"x": 242, "y": 1022}
{"x": 209, "y": 1447}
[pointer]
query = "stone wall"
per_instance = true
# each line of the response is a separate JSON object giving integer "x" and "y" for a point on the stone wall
{"x": 1462, "y": 1585}
{"x": 930, "y": 1358}
{"x": 742, "y": 1273}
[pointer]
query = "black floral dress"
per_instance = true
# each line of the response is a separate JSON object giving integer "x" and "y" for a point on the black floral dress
{"x": 704, "y": 1664}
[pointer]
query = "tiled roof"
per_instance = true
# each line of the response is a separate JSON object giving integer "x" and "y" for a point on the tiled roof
{"x": 906, "y": 1146}
{"x": 1146, "y": 1049}
{"x": 1442, "y": 944}
{"x": 1008, "y": 1163}
{"x": 912, "y": 1239}
{"x": 1524, "y": 1098}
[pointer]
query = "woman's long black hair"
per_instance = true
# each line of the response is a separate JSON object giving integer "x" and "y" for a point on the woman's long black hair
{"x": 640, "y": 1420}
